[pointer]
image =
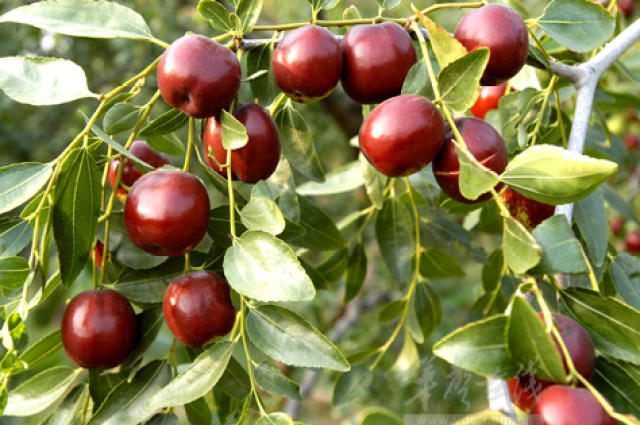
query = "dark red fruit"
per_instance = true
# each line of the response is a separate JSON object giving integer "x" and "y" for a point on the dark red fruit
{"x": 503, "y": 31}
{"x": 627, "y": 7}
{"x": 526, "y": 210}
{"x": 198, "y": 76}
{"x": 484, "y": 143}
{"x": 255, "y": 161}
{"x": 197, "y": 308}
{"x": 167, "y": 212}
{"x": 631, "y": 141}
{"x": 130, "y": 173}
{"x": 580, "y": 347}
{"x": 563, "y": 405}
{"x": 97, "y": 253}
{"x": 488, "y": 100}
{"x": 376, "y": 61}
{"x": 402, "y": 135}
{"x": 307, "y": 63}
{"x": 632, "y": 242}
{"x": 99, "y": 329}
{"x": 616, "y": 225}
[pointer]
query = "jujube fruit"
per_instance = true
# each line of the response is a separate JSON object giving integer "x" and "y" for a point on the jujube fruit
{"x": 563, "y": 405}
{"x": 503, "y": 31}
{"x": 616, "y": 225}
{"x": 131, "y": 173}
{"x": 526, "y": 210}
{"x": 198, "y": 76}
{"x": 488, "y": 99}
{"x": 581, "y": 351}
{"x": 256, "y": 160}
{"x": 307, "y": 63}
{"x": 484, "y": 143}
{"x": 197, "y": 308}
{"x": 167, "y": 212}
{"x": 99, "y": 329}
{"x": 632, "y": 242}
{"x": 402, "y": 135}
{"x": 377, "y": 59}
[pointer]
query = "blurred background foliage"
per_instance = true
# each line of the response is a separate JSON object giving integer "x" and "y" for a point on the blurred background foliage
{"x": 28, "y": 133}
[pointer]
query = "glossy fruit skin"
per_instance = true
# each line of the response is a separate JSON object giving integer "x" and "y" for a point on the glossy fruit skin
{"x": 563, "y": 405}
{"x": 632, "y": 242}
{"x": 99, "y": 329}
{"x": 582, "y": 354}
{"x": 484, "y": 143}
{"x": 197, "y": 308}
{"x": 376, "y": 61}
{"x": 488, "y": 100}
{"x": 307, "y": 64}
{"x": 198, "y": 76}
{"x": 130, "y": 173}
{"x": 503, "y": 31}
{"x": 167, "y": 212}
{"x": 526, "y": 210}
{"x": 256, "y": 160}
{"x": 402, "y": 135}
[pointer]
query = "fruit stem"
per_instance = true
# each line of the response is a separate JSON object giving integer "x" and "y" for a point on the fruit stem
{"x": 187, "y": 155}
{"x": 276, "y": 103}
{"x": 425, "y": 57}
{"x": 243, "y": 333}
{"x": 565, "y": 142}
{"x": 232, "y": 201}
{"x": 543, "y": 108}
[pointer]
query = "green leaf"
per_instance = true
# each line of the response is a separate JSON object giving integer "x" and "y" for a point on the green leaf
{"x": 234, "y": 135}
{"x": 406, "y": 368}
{"x": 70, "y": 408}
{"x": 553, "y": 175}
{"x": 352, "y": 384}
{"x": 15, "y": 235}
{"x": 102, "y": 383}
{"x": 613, "y": 326}
{"x": 625, "y": 273}
{"x": 42, "y": 349}
{"x": 75, "y": 212}
{"x": 375, "y": 182}
{"x": 217, "y": 15}
{"x": 521, "y": 251}
{"x": 334, "y": 267}
{"x": 458, "y": 81}
{"x": 576, "y": 24}
{"x": 437, "y": 264}
{"x": 249, "y": 12}
{"x": 318, "y": 5}
{"x": 619, "y": 382}
{"x": 263, "y": 214}
{"x": 43, "y": 81}
{"x": 289, "y": 338}
{"x": 127, "y": 403}
{"x": 14, "y": 272}
{"x": 14, "y": 332}
{"x": 148, "y": 323}
{"x": 388, "y": 4}
{"x": 163, "y": 419}
{"x": 21, "y": 182}
{"x": 529, "y": 343}
{"x": 264, "y": 88}
{"x": 140, "y": 164}
{"x": 394, "y": 232}
{"x": 79, "y": 18}
{"x": 356, "y": 272}
{"x": 198, "y": 412}
{"x": 297, "y": 143}
{"x": 428, "y": 311}
{"x": 166, "y": 143}
{"x": 618, "y": 203}
{"x": 345, "y": 179}
{"x": 121, "y": 117}
{"x": 41, "y": 391}
{"x": 263, "y": 267}
{"x": 417, "y": 80}
{"x": 321, "y": 232}
{"x": 378, "y": 416}
{"x": 168, "y": 122}
{"x": 235, "y": 381}
{"x": 275, "y": 419}
{"x": 590, "y": 216}
{"x": 561, "y": 251}
{"x": 446, "y": 48}
{"x": 132, "y": 256}
{"x": 475, "y": 179}
{"x": 197, "y": 380}
{"x": 275, "y": 383}
{"x": 479, "y": 347}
